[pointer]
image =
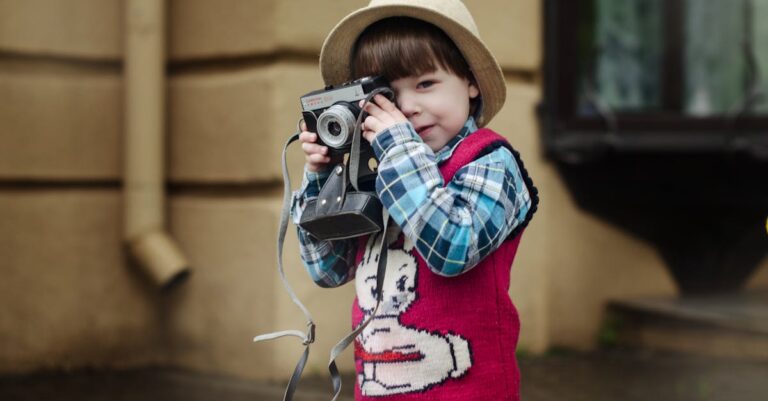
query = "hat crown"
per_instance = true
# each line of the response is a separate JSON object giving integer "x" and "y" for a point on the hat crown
{"x": 453, "y": 9}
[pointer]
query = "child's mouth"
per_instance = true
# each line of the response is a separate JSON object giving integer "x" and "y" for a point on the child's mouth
{"x": 424, "y": 130}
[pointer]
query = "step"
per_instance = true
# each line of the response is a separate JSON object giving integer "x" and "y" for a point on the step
{"x": 729, "y": 325}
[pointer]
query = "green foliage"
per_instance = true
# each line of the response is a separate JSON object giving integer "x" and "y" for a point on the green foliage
{"x": 608, "y": 335}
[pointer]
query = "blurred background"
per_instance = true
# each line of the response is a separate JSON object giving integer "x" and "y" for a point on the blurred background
{"x": 140, "y": 195}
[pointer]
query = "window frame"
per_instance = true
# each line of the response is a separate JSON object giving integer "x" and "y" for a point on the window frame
{"x": 566, "y": 135}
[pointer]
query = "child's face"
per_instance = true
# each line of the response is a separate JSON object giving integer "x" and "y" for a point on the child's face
{"x": 436, "y": 103}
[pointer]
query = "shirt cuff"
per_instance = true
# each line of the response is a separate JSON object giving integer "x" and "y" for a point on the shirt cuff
{"x": 310, "y": 188}
{"x": 313, "y": 182}
{"x": 397, "y": 134}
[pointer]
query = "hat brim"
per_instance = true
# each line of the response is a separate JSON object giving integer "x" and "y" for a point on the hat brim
{"x": 335, "y": 55}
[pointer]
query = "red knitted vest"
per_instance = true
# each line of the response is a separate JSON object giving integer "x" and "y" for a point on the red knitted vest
{"x": 434, "y": 337}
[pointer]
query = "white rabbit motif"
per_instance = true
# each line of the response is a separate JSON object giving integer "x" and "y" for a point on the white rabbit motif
{"x": 398, "y": 359}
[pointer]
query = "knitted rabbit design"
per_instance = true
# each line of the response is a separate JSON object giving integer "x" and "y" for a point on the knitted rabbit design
{"x": 397, "y": 358}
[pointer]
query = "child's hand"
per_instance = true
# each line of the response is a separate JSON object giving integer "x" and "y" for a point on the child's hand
{"x": 316, "y": 155}
{"x": 382, "y": 114}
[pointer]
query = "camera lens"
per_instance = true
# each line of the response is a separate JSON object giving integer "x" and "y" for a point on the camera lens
{"x": 334, "y": 128}
{"x": 336, "y": 125}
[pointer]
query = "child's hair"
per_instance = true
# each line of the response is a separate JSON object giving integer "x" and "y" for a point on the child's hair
{"x": 399, "y": 47}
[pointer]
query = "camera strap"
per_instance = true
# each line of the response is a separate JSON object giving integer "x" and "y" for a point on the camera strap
{"x": 354, "y": 169}
{"x": 354, "y": 153}
{"x": 381, "y": 270}
{"x": 309, "y": 337}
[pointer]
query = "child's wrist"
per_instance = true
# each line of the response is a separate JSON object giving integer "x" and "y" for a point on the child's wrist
{"x": 313, "y": 168}
{"x": 313, "y": 182}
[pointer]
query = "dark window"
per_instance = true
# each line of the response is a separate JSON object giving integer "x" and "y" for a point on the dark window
{"x": 653, "y": 73}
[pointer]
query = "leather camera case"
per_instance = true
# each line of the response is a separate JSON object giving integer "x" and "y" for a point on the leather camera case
{"x": 340, "y": 212}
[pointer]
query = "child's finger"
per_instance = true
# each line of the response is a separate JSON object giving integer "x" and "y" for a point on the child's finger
{"x": 312, "y": 148}
{"x": 308, "y": 137}
{"x": 389, "y": 116}
{"x": 372, "y": 124}
{"x": 303, "y": 125}
{"x": 389, "y": 107}
{"x": 384, "y": 103}
{"x": 373, "y": 110}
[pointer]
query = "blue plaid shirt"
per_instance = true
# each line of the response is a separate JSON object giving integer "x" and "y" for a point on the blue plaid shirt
{"x": 453, "y": 226}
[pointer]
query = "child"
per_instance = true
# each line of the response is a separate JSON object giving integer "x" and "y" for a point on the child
{"x": 458, "y": 196}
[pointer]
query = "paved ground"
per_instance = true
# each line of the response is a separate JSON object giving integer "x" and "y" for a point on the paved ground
{"x": 607, "y": 375}
{"x": 636, "y": 375}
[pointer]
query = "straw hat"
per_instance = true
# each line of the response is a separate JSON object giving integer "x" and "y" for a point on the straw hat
{"x": 449, "y": 15}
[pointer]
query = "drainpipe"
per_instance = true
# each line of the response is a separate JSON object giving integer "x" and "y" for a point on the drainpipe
{"x": 155, "y": 252}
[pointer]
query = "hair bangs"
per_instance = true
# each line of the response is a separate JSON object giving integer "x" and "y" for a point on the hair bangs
{"x": 401, "y": 47}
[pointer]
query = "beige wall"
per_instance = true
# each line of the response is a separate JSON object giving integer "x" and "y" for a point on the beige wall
{"x": 72, "y": 299}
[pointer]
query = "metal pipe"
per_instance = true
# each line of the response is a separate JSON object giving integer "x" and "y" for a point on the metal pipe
{"x": 144, "y": 199}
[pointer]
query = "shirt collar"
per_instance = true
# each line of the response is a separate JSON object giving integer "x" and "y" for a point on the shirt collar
{"x": 445, "y": 153}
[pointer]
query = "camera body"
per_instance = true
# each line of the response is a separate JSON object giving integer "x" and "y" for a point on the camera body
{"x": 332, "y": 112}
{"x": 347, "y": 206}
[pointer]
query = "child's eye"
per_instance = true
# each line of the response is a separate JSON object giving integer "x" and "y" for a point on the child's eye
{"x": 426, "y": 84}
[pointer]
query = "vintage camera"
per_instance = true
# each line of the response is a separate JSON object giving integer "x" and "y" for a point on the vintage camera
{"x": 333, "y": 112}
{"x": 347, "y": 205}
